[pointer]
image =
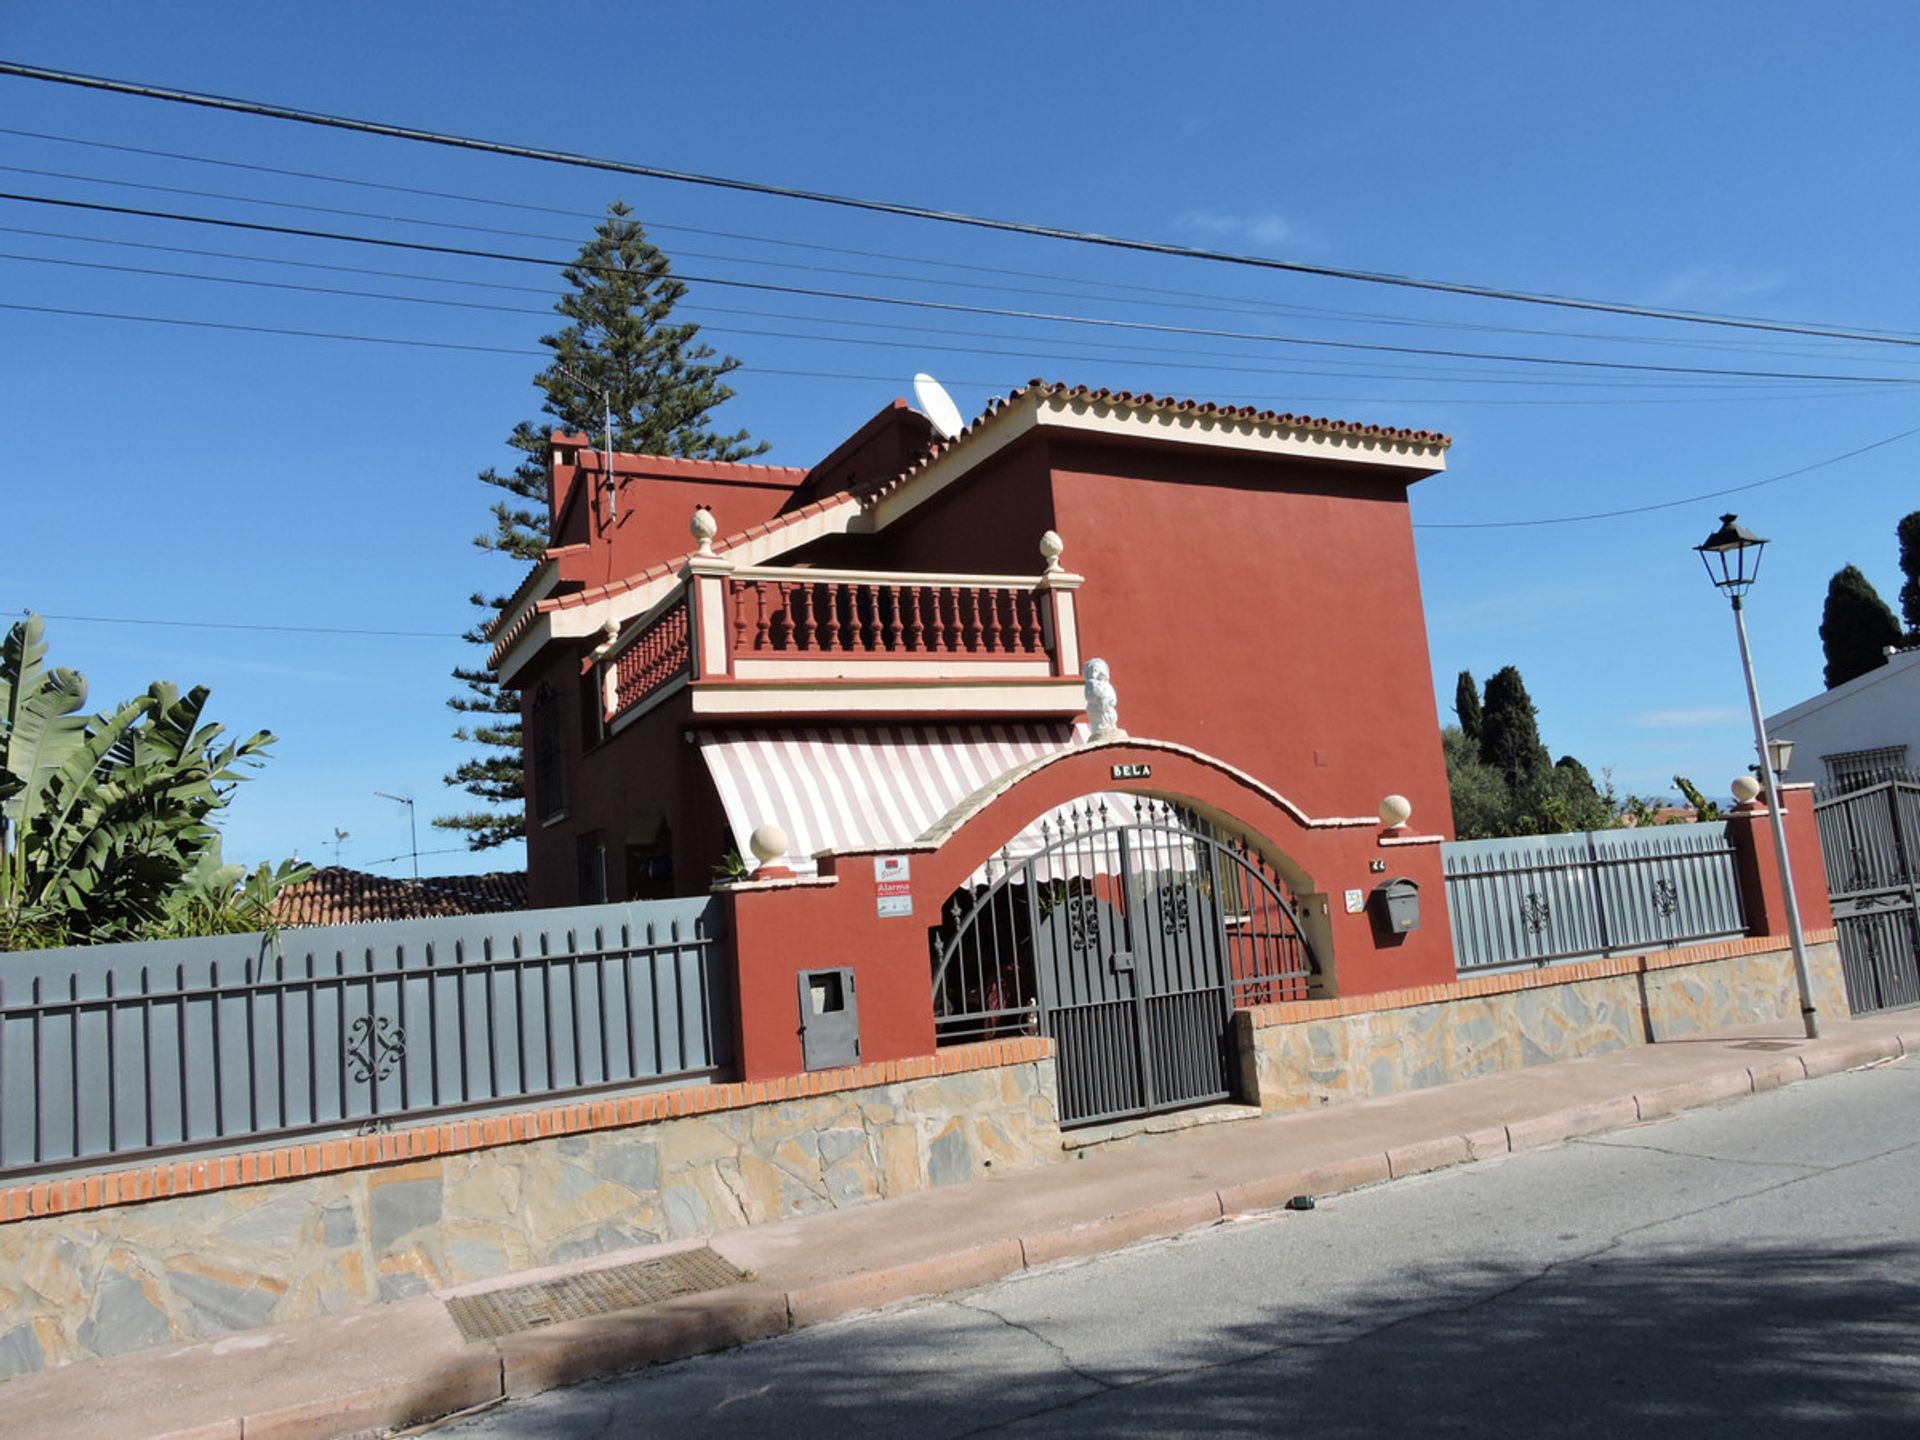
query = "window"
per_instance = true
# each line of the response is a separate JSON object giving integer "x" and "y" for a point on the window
{"x": 591, "y": 852}
{"x": 1851, "y": 769}
{"x": 593, "y": 713}
{"x": 549, "y": 755}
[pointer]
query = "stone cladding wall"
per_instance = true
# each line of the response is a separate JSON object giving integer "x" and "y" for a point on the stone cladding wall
{"x": 111, "y": 1278}
{"x": 1306, "y": 1054}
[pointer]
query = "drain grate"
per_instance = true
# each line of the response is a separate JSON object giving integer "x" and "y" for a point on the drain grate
{"x": 576, "y": 1297}
{"x": 1765, "y": 1045}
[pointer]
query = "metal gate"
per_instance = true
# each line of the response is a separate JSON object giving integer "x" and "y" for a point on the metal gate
{"x": 1128, "y": 933}
{"x": 1870, "y": 836}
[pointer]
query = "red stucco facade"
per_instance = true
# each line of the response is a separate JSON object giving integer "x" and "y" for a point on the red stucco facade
{"x": 1252, "y": 586}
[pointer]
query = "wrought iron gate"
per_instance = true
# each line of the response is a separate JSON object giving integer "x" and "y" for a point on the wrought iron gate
{"x": 1870, "y": 836}
{"x": 1128, "y": 933}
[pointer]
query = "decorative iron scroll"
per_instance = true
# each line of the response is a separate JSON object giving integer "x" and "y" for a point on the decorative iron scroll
{"x": 1666, "y": 898}
{"x": 374, "y": 1046}
{"x": 1536, "y": 913}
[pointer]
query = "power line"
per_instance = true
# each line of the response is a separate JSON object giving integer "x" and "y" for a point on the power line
{"x": 1177, "y": 298}
{"x": 416, "y": 276}
{"x": 1155, "y": 358}
{"x": 951, "y": 307}
{"x": 1668, "y": 504}
{"x": 236, "y": 625}
{"x": 265, "y": 110}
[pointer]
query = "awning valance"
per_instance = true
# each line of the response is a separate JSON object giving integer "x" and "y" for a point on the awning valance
{"x": 862, "y": 787}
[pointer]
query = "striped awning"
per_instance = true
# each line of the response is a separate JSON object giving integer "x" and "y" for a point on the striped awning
{"x": 862, "y": 787}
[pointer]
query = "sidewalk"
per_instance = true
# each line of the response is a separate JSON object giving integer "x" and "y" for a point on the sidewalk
{"x": 406, "y": 1362}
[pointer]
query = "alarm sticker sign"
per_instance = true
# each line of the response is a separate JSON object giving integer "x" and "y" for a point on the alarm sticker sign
{"x": 892, "y": 885}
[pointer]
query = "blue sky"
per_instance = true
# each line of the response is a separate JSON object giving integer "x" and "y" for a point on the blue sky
{"x": 1743, "y": 158}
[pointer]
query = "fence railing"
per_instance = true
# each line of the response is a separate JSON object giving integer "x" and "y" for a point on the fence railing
{"x": 1539, "y": 899}
{"x": 124, "y": 1050}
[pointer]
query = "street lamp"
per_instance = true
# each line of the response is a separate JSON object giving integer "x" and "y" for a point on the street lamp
{"x": 1732, "y": 557}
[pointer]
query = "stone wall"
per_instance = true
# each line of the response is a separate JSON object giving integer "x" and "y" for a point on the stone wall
{"x": 1319, "y": 1052}
{"x": 117, "y": 1277}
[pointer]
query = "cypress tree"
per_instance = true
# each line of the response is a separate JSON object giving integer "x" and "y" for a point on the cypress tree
{"x": 663, "y": 384}
{"x": 1909, "y": 532}
{"x": 1510, "y": 729}
{"x": 1466, "y": 704}
{"x": 1855, "y": 628}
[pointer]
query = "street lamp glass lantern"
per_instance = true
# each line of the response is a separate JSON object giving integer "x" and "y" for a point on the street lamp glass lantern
{"x": 1732, "y": 556}
{"x": 1780, "y": 754}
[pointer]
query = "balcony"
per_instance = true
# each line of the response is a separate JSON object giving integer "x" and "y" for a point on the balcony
{"x": 770, "y": 640}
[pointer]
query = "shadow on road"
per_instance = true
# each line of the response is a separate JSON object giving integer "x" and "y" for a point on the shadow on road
{"x": 1740, "y": 1340}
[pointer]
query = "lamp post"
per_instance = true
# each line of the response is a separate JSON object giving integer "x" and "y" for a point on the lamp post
{"x": 1732, "y": 557}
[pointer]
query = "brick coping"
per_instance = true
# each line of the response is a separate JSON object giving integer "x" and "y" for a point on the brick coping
{"x": 1293, "y": 1012}
{"x": 105, "y": 1189}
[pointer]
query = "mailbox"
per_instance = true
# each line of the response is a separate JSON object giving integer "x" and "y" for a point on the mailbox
{"x": 829, "y": 1019}
{"x": 1396, "y": 906}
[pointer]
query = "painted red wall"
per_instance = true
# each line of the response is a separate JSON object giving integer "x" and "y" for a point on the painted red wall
{"x": 779, "y": 930}
{"x": 652, "y": 508}
{"x": 623, "y": 786}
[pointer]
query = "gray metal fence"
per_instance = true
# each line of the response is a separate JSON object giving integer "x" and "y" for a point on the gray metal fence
{"x": 1542, "y": 898}
{"x": 122, "y": 1050}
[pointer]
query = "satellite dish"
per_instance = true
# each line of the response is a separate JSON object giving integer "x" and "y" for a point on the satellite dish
{"x": 937, "y": 405}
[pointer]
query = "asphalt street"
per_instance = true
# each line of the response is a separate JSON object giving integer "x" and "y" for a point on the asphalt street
{"x": 1752, "y": 1269}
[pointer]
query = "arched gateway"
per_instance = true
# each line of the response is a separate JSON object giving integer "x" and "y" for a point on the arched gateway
{"x": 1127, "y": 928}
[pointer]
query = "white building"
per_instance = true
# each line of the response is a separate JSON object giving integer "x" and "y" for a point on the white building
{"x": 1868, "y": 725}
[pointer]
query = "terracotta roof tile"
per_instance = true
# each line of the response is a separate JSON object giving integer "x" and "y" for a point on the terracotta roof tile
{"x": 336, "y": 895}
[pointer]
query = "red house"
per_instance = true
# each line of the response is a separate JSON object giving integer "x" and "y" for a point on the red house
{"x": 878, "y": 662}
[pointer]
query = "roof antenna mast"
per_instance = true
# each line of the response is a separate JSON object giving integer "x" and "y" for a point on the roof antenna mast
{"x": 412, "y": 832}
{"x": 606, "y": 406}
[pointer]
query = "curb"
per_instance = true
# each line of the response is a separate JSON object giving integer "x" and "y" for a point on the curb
{"x": 525, "y": 1364}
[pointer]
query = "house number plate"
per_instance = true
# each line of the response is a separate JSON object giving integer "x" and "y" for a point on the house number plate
{"x": 1132, "y": 772}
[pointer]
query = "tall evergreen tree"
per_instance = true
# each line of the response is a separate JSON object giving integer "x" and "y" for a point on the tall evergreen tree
{"x": 663, "y": 384}
{"x": 1856, "y": 627}
{"x": 1909, "y": 532}
{"x": 1466, "y": 704}
{"x": 1510, "y": 729}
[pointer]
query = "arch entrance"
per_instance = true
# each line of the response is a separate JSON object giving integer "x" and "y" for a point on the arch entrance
{"x": 1127, "y": 928}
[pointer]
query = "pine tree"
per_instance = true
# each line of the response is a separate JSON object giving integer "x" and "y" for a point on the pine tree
{"x": 1510, "y": 730}
{"x": 1909, "y": 532}
{"x": 663, "y": 384}
{"x": 1466, "y": 704}
{"x": 1856, "y": 627}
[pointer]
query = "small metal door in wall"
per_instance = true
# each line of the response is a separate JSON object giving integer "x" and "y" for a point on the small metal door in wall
{"x": 1128, "y": 937}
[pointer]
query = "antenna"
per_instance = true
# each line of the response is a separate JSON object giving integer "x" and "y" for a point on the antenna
{"x": 412, "y": 832}
{"x": 937, "y": 405}
{"x": 606, "y": 405}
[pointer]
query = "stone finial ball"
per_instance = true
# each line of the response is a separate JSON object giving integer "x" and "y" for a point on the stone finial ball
{"x": 703, "y": 525}
{"x": 1051, "y": 546}
{"x": 768, "y": 843}
{"x": 1394, "y": 810}
{"x": 1744, "y": 788}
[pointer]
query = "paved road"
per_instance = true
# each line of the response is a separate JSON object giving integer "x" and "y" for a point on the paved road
{"x": 1749, "y": 1270}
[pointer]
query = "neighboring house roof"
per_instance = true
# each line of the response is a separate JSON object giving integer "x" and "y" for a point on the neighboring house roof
{"x": 1875, "y": 711}
{"x": 875, "y": 504}
{"x": 336, "y": 895}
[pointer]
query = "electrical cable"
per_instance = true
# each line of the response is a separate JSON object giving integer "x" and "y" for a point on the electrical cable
{"x": 237, "y": 625}
{"x": 950, "y": 307}
{"x": 265, "y": 110}
{"x": 1186, "y": 359}
{"x": 1667, "y": 504}
{"x": 1192, "y": 300}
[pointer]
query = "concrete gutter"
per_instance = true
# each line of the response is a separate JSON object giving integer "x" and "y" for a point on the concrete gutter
{"x": 405, "y": 1363}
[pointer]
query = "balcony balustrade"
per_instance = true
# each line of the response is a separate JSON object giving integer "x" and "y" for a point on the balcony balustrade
{"x": 770, "y": 640}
